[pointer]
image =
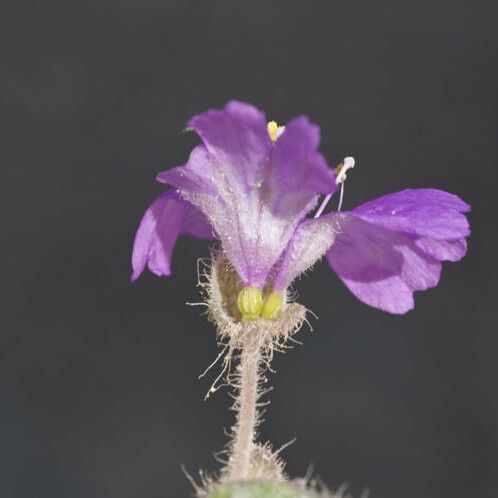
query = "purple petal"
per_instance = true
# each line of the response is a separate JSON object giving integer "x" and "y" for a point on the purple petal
{"x": 237, "y": 139}
{"x": 253, "y": 192}
{"x": 423, "y": 212}
{"x": 166, "y": 219}
{"x": 298, "y": 168}
{"x": 235, "y": 142}
{"x": 195, "y": 176}
{"x": 444, "y": 250}
{"x": 381, "y": 267}
{"x": 309, "y": 243}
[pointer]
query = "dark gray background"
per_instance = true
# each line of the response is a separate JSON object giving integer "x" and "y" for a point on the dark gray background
{"x": 99, "y": 396}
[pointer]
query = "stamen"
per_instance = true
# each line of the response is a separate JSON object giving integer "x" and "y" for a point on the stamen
{"x": 341, "y": 176}
{"x": 342, "y": 168}
{"x": 340, "y": 172}
{"x": 274, "y": 130}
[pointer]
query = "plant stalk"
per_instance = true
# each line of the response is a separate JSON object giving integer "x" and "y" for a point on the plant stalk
{"x": 239, "y": 466}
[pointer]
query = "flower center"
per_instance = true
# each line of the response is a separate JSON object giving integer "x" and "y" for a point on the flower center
{"x": 274, "y": 130}
{"x": 251, "y": 305}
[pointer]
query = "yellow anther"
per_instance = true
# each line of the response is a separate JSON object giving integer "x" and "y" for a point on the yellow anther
{"x": 273, "y": 306}
{"x": 250, "y": 302}
{"x": 274, "y": 130}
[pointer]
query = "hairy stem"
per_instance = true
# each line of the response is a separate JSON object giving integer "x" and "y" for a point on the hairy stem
{"x": 246, "y": 403}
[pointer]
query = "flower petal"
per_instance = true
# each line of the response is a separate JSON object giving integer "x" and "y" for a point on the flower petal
{"x": 168, "y": 217}
{"x": 298, "y": 169}
{"x": 444, "y": 250}
{"x": 381, "y": 267}
{"x": 423, "y": 212}
{"x": 309, "y": 243}
{"x": 235, "y": 141}
{"x": 195, "y": 176}
{"x": 253, "y": 192}
{"x": 237, "y": 138}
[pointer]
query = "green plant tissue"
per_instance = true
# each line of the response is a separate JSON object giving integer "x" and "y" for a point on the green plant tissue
{"x": 260, "y": 490}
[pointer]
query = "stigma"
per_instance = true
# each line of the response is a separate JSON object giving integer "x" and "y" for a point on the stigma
{"x": 274, "y": 130}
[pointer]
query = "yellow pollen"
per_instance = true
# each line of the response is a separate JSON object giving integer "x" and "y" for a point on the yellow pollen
{"x": 273, "y": 306}
{"x": 250, "y": 302}
{"x": 274, "y": 130}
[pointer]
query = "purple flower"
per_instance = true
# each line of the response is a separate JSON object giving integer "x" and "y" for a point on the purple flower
{"x": 252, "y": 185}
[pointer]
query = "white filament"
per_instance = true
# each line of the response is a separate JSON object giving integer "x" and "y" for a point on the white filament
{"x": 347, "y": 164}
{"x": 323, "y": 206}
